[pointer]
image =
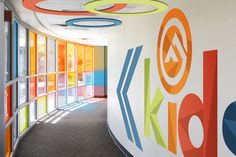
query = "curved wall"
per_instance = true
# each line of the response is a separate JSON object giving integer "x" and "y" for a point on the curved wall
{"x": 152, "y": 115}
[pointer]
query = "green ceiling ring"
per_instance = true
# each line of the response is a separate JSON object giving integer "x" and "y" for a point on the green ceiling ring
{"x": 159, "y": 7}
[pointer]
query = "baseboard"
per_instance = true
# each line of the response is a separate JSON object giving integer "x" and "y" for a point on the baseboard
{"x": 119, "y": 145}
{"x": 105, "y": 96}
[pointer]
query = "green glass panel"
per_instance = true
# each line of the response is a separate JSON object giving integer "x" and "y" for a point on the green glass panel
{"x": 24, "y": 119}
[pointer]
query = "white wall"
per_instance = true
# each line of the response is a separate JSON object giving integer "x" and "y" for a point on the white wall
{"x": 213, "y": 26}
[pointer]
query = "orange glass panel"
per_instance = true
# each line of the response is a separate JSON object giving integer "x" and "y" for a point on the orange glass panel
{"x": 8, "y": 141}
{"x": 33, "y": 55}
{"x": 51, "y": 82}
{"x": 61, "y": 56}
{"x": 80, "y": 63}
{"x": 8, "y": 103}
{"x": 71, "y": 57}
{"x": 33, "y": 87}
{"x": 88, "y": 58}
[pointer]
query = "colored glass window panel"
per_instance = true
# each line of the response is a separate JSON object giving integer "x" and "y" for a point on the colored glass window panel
{"x": 80, "y": 63}
{"x": 22, "y": 53}
{"x": 51, "y": 52}
{"x": 41, "y": 85}
{"x": 61, "y": 56}
{"x": 51, "y": 82}
{"x": 71, "y": 57}
{"x": 33, "y": 52}
{"x": 8, "y": 141}
{"x": 71, "y": 79}
{"x": 88, "y": 63}
{"x": 61, "y": 81}
{"x": 89, "y": 91}
{"x": 41, "y": 50}
{"x": 81, "y": 92}
{"x": 71, "y": 95}
{"x": 62, "y": 98}
{"x": 41, "y": 106}
{"x": 8, "y": 103}
{"x": 51, "y": 102}
{"x": 7, "y": 49}
{"x": 15, "y": 49}
{"x": 32, "y": 112}
{"x": 33, "y": 87}
{"x": 88, "y": 78}
{"x": 24, "y": 119}
{"x": 15, "y": 129}
{"x": 22, "y": 91}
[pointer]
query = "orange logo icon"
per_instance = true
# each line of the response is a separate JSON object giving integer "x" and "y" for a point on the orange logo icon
{"x": 174, "y": 51}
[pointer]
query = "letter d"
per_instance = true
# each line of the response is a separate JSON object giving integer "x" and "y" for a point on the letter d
{"x": 206, "y": 112}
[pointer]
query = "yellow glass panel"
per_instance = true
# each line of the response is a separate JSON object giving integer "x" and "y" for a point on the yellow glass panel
{"x": 33, "y": 53}
{"x": 41, "y": 106}
{"x": 71, "y": 79}
{"x": 51, "y": 82}
{"x": 71, "y": 57}
{"x": 88, "y": 58}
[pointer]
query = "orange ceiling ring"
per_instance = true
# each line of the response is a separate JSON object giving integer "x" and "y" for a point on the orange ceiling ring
{"x": 32, "y": 5}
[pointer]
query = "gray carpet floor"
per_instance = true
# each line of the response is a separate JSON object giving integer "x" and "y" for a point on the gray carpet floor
{"x": 76, "y": 131}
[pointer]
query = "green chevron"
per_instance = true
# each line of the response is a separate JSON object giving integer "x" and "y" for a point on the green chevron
{"x": 151, "y": 110}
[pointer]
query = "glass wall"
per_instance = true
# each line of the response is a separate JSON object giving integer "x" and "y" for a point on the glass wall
{"x": 85, "y": 62}
{"x": 22, "y": 52}
{"x": 24, "y": 119}
{"x": 41, "y": 106}
{"x": 51, "y": 55}
{"x": 32, "y": 112}
{"x": 80, "y": 63}
{"x": 33, "y": 52}
{"x": 8, "y": 141}
{"x": 8, "y": 56}
{"x": 41, "y": 51}
{"x": 51, "y": 102}
{"x": 61, "y": 56}
{"x": 41, "y": 75}
{"x": 8, "y": 103}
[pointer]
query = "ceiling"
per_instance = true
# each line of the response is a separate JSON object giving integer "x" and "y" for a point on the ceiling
{"x": 54, "y": 25}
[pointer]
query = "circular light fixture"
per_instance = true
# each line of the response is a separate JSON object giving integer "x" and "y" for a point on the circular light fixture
{"x": 159, "y": 7}
{"x": 74, "y": 22}
{"x": 32, "y": 5}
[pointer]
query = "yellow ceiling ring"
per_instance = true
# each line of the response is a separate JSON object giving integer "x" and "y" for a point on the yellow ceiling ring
{"x": 159, "y": 7}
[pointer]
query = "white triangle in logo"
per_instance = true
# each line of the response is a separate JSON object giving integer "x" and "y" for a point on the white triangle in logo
{"x": 171, "y": 52}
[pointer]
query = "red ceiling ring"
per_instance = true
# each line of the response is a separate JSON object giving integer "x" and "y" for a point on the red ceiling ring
{"x": 32, "y": 5}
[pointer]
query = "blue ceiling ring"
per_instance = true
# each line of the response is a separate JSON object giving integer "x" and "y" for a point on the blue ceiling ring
{"x": 74, "y": 22}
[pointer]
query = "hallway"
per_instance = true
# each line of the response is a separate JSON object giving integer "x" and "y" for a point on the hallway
{"x": 78, "y": 130}
{"x": 117, "y": 78}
